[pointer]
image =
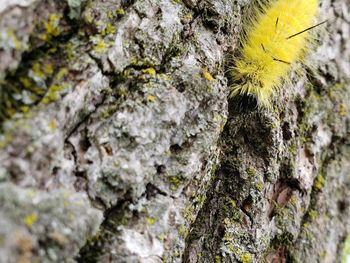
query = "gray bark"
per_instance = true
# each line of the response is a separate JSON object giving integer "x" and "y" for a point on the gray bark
{"x": 118, "y": 142}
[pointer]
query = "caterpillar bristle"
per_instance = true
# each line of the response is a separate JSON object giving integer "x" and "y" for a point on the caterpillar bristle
{"x": 270, "y": 48}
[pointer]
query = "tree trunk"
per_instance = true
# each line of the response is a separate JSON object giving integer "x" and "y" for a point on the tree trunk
{"x": 119, "y": 143}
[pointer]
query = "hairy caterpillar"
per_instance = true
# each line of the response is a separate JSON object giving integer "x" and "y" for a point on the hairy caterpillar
{"x": 275, "y": 40}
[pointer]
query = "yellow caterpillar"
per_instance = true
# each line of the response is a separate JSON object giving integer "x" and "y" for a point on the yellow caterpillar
{"x": 275, "y": 40}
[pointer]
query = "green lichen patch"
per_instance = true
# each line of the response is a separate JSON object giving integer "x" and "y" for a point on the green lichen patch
{"x": 52, "y": 27}
{"x": 30, "y": 84}
{"x": 39, "y": 78}
{"x": 319, "y": 182}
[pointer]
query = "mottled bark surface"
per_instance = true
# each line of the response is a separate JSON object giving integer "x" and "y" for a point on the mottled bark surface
{"x": 118, "y": 142}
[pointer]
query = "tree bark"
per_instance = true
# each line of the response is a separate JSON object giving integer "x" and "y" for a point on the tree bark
{"x": 119, "y": 143}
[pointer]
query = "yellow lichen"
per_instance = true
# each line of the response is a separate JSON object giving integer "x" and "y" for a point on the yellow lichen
{"x": 227, "y": 223}
{"x": 260, "y": 186}
{"x": 36, "y": 69}
{"x": 246, "y": 258}
{"x": 162, "y": 237}
{"x": 251, "y": 171}
{"x": 342, "y": 110}
{"x": 312, "y": 214}
{"x": 26, "y": 82}
{"x": 182, "y": 229}
{"x": 319, "y": 182}
{"x": 53, "y": 125}
{"x": 151, "y": 98}
{"x": 109, "y": 29}
{"x": 232, "y": 203}
{"x": 24, "y": 109}
{"x": 149, "y": 71}
{"x": 51, "y": 27}
{"x": 48, "y": 68}
{"x": 110, "y": 14}
{"x": 100, "y": 47}
{"x": 61, "y": 73}
{"x": 88, "y": 18}
{"x": 175, "y": 181}
{"x": 120, "y": 11}
{"x": 151, "y": 220}
{"x": 30, "y": 219}
{"x": 52, "y": 94}
{"x": 188, "y": 17}
{"x": 293, "y": 200}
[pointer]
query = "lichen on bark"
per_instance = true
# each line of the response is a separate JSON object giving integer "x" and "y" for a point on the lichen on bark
{"x": 118, "y": 142}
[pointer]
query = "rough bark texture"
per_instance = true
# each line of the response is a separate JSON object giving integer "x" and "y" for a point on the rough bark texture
{"x": 119, "y": 144}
